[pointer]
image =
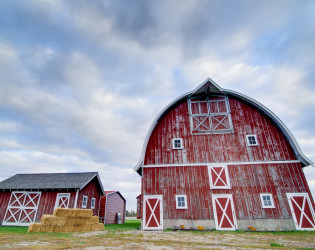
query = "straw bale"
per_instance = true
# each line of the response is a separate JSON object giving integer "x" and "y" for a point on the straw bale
{"x": 34, "y": 228}
{"x": 64, "y": 229}
{"x": 84, "y": 213}
{"x": 82, "y": 228}
{"x": 97, "y": 227}
{"x": 78, "y": 221}
{"x": 95, "y": 219}
{"x": 65, "y": 212}
{"x": 53, "y": 220}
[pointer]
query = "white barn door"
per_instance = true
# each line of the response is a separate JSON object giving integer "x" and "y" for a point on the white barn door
{"x": 224, "y": 213}
{"x": 152, "y": 212}
{"x": 22, "y": 208}
{"x": 62, "y": 200}
{"x": 302, "y": 211}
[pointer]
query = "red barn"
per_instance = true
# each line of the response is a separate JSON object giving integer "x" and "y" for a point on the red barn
{"x": 25, "y": 198}
{"x": 112, "y": 208}
{"x": 219, "y": 159}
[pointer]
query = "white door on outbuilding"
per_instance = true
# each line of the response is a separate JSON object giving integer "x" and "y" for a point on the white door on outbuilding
{"x": 22, "y": 208}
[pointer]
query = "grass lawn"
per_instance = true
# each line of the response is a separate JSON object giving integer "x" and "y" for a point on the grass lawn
{"x": 128, "y": 225}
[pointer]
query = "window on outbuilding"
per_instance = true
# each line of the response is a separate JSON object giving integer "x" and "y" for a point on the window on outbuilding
{"x": 93, "y": 203}
{"x": 84, "y": 201}
{"x": 251, "y": 140}
{"x": 177, "y": 143}
{"x": 181, "y": 201}
{"x": 267, "y": 201}
{"x": 219, "y": 177}
{"x": 210, "y": 114}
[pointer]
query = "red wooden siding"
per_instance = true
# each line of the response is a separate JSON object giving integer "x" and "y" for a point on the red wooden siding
{"x": 48, "y": 200}
{"x": 4, "y": 201}
{"x": 110, "y": 205}
{"x": 91, "y": 190}
{"x": 247, "y": 182}
{"x": 232, "y": 147}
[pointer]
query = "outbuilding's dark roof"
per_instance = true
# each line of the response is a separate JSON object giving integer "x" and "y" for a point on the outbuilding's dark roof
{"x": 50, "y": 181}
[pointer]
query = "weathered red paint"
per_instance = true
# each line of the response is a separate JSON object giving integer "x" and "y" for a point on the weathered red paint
{"x": 217, "y": 147}
{"x": 48, "y": 199}
{"x": 248, "y": 181}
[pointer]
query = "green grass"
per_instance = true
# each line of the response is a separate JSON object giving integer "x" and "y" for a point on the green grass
{"x": 274, "y": 244}
{"x": 128, "y": 225}
{"x": 13, "y": 230}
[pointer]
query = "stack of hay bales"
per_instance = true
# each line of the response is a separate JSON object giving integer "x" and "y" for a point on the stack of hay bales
{"x": 68, "y": 220}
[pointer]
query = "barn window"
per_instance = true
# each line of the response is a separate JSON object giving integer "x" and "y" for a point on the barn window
{"x": 267, "y": 201}
{"x": 84, "y": 201}
{"x": 251, "y": 140}
{"x": 181, "y": 201}
{"x": 177, "y": 143}
{"x": 219, "y": 177}
{"x": 93, "y": 203}
{"x": 210, "y": 114}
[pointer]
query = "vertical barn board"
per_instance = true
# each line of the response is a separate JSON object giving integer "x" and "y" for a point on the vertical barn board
{"x": 4, "y": 201}
{"x": 92, "y": 191}
{"x": 246, "y": 120}
{"x": 114, "y": 204}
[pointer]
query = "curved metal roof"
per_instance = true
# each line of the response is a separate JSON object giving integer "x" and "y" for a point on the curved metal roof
{"x": 210, "y": 86}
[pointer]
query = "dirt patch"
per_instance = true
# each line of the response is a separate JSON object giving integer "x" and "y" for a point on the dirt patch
{"x": 135, "y": 239}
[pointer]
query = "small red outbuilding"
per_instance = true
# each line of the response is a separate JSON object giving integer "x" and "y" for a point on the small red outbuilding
{"x": 25, "y": 198}
{"x": 112, "y": 208}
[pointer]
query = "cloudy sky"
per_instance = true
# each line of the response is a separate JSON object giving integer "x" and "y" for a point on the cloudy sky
{"x": 82, "y": 81}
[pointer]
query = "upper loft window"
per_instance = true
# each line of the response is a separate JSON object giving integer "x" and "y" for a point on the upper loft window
{"x": 177, "y": 143}
{"x": 251, "y": 140}
{"x": 210, "y": 114}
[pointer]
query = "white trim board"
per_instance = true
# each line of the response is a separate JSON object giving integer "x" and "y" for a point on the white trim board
{"x": 219, "y": 164}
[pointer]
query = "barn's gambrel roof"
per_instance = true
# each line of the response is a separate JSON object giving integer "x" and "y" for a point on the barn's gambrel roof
{"x": 50, "y": 181}
{"x": 210, "y": 86}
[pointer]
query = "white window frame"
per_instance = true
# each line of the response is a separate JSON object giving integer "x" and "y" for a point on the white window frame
{"x": 181, "y": 143}
{"x": 61, "y": 195}
{"x": 271, "y": 199}
{"x": 85, "y": 201}
{"x": 209, "y": 116}
{"x": 228, "y": 184}
{"x": 93, "y": 200}
{"x": 185, "y": 200}
{"x": 247, "y": 140}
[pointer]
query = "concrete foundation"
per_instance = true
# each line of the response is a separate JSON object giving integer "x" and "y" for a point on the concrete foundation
{"x": 259, "y": 224}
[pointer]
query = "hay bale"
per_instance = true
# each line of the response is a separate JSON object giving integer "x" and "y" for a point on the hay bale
{"x": 34, "y": 228}
{"x": 97, "y": 227}
{"x": 95, "y": 219}
{"x": 67, "y": 228}
{"x": 53, "y": 220}
{"x": 82, "y": 228}
{"x": 77, "y": 221}
{"x": 64, "y": 212}
{"x": 68, "y": 220}
{"x": 83, "y": 213}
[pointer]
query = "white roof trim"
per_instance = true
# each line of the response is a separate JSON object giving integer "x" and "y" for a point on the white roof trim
{"x": 269, "y": 113}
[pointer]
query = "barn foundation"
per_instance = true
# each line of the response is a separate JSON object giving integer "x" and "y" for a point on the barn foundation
{"x": 259, "y": 224}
